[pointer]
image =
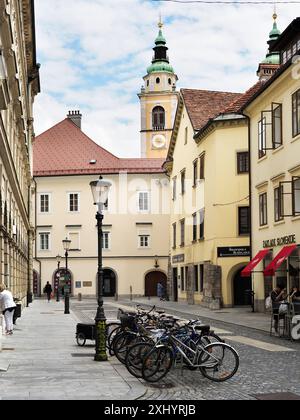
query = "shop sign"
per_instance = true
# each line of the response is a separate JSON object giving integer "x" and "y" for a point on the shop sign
{"x": 234, "y": 251}
{"x": 178, "y": 259}
{"x": 296, "y": 328}
{"x": 285, "y": 240}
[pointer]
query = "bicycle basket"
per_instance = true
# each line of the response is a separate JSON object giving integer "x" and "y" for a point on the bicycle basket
{"x": 128, "y": 321}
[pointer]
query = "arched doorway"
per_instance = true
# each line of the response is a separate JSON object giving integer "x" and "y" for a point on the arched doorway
{"x": 63, "y": 281}
{"x": 151, "y": 281}
{"x": 109, "y": 283}
{"x": 240, "y": 286}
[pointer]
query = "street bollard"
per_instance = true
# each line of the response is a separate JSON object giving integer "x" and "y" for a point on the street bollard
{"x": 67, "y": 303}
{"x": 57, "y": 295}
{"x": 79, "y": 297}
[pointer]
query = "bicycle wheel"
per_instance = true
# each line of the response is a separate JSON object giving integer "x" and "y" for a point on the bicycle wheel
{"x": 157, "y": 364}
{"x": 123, "y": 341}
{"x": 135, "y": 357}
{"x": 221, "y": 362}
{"x": 81, "y": 340}
{"x": 209, "y": 338}
{"x": 111, "y": 337}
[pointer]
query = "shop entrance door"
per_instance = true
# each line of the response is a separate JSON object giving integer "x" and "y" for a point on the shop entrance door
{"x": 240, "y": 286}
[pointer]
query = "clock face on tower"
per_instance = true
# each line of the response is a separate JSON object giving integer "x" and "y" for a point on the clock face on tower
{"x": 159, "y": 141}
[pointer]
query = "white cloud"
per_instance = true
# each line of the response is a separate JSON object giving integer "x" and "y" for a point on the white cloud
{"x": 94, "y": 55}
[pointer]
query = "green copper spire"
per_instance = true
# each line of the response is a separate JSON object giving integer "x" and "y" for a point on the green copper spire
{"x": 275, "y": 33}
{"x": 160, "y": 62}
{"x": 274, "y": 57}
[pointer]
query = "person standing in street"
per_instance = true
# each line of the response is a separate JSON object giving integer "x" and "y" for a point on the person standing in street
{"x": 7, "y": 306}
{"x": 160, "y": 291}
{"x": 48, "y": 291}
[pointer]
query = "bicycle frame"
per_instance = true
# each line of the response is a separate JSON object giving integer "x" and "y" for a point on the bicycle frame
{"x": 177, "y": 344}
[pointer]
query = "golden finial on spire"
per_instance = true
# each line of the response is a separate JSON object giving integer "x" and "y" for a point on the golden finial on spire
{"x": 160, "y": 23}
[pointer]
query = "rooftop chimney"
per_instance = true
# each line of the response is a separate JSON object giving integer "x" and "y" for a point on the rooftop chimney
{"x": 75, "y": 116}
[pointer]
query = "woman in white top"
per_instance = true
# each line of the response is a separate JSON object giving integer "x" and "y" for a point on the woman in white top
{"x": 7, "y": 307}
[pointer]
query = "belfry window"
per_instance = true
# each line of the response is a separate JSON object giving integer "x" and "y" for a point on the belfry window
{"x": 158, "y": 118}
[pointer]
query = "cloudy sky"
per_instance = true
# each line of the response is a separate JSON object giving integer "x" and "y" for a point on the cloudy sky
{"x": 94, "y": 54}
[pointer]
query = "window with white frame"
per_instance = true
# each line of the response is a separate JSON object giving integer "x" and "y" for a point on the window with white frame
{"x": 144, "y": 241}
{"x": 44, "y": 203}
{"x": 44, "y": 241}
{"x": 74, "y": 202}
{"x": 106, "y": 240}
{"x": 143, "y": 201}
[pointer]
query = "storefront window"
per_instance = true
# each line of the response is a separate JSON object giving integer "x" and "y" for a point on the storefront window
{"x": 282, "y": 275}
{"x": 268, "y": 280}
{"x": 294, "y": 269}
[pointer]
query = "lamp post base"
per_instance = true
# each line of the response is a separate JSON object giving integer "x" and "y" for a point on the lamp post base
{"x": 101, "y": 355}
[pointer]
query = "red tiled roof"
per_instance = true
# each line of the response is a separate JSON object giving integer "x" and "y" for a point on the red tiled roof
{"x": 65, "y": 150}
{"x": 203, "y": 105}
{"x": 238, "y": 103}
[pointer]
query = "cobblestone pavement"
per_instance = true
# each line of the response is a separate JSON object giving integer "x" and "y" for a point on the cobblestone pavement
{"x": 42, "y": 361}
{"x": 261, "y": 371}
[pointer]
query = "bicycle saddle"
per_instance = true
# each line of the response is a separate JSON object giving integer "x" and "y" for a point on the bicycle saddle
{"x": 202, "y": 327}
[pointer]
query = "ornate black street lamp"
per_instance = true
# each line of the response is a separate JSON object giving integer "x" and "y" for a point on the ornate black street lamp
{"x": 58, "y": 259}
{"x": 100, "y": 190}
{"x": 67, "y": 244}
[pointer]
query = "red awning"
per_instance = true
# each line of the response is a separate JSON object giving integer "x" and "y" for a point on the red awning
{"x": 278, "y": 260}
{"x": 252, "y": 264}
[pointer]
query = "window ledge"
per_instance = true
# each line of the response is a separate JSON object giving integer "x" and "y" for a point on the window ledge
{"x": 296, "y": 138}
{"x": 278, "y": 149}
{"x": 194, "y": 241}
{"x": 262, "y": 158}
{"x": 201, "y": 240}
{"x": 279, "y": 222}
{"x": 295, "y": 218}
{"x": 263, "y": 227}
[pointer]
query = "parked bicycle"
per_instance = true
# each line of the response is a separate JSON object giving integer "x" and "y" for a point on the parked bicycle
{"x": 216, "y": 361}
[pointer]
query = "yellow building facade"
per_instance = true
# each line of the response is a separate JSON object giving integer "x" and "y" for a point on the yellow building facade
{"x": 208, "y": 168}
{"x": 136, "y": 218}
{"x": 158, "y": 98}
{"x": 275, "y": 172}
{"x": 19, "y": 83}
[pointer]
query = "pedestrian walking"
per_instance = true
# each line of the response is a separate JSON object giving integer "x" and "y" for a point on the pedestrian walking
{"x": 7, "y": 307}
{"x": 48, "y": 291}
{"x": 160, "y": 291}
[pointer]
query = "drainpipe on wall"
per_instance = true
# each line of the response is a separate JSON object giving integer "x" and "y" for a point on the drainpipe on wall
{"x": 250, "y": 199}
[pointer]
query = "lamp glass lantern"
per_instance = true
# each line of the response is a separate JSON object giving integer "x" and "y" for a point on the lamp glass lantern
{"x": 66, "y": 244}
{"x": 100, "y": 190}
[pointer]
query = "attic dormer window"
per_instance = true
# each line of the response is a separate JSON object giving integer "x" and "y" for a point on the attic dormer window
{"x": 93, "y": 162}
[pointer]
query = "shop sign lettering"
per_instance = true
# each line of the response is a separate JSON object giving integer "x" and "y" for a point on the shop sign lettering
{"x": 285, "y": 240}
{"x": 296, "y": 328}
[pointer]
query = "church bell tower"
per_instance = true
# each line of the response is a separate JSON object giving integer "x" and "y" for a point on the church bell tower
{"x": 159, "y": 100}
